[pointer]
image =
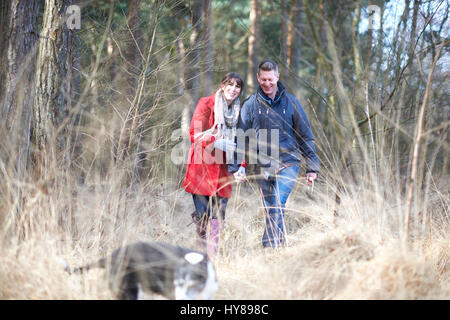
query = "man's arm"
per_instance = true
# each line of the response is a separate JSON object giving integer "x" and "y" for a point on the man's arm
{"x": 245, "y": 116}
{"x": 244, "y": 123}
{"x": 305, "y": 137}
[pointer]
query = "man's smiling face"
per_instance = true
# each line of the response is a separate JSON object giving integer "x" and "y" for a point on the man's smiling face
{"x": 268, "y": 82}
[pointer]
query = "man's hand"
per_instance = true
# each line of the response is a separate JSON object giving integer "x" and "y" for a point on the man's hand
{"x": 240, "y": 175}
{"x": 225, "y": 145}
{"x": 310, "y": 178}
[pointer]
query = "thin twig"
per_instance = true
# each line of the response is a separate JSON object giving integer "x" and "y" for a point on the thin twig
{"x": 417, "y": 142}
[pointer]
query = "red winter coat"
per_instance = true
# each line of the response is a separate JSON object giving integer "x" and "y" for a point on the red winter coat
{"x": 203, "y": 175}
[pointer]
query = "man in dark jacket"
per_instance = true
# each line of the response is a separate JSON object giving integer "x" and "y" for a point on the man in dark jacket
{"x": 283, "y": 133}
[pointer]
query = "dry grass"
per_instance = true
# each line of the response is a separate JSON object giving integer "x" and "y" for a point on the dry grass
{"x": 331, "y": 258}
{"x": 355, "y": 255}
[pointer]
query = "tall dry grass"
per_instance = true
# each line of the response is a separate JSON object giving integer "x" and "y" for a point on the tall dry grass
{"x": 350, "y": 251}
{"x": 79, "y": 209}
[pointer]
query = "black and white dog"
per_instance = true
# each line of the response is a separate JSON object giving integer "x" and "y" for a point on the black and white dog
{"x": 172, "y": 271}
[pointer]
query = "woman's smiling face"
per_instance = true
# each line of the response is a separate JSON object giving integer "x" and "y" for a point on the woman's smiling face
{"x": 231, "y": 90}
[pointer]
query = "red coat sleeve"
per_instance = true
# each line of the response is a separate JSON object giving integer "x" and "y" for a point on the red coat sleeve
{"x": 202, "y": 120}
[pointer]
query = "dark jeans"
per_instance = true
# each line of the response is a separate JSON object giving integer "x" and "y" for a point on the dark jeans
{"x": 212, "y": 206}
{"x": 274, "y": 193}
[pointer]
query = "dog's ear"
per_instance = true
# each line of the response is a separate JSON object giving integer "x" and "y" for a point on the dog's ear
{"x": 194, "y": 257}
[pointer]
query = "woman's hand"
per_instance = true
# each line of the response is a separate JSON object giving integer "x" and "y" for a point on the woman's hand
{"x": 240, "y": 175}
{"x": 310, "y": 178}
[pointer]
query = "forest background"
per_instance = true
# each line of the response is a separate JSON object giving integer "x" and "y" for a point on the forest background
{"x": 96, "y": 99}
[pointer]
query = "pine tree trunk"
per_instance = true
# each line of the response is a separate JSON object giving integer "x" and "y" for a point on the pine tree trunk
{"x": 18, "y": 38}
{"x": 192, "y": 70}
{"x": 368, "y": 56}
{"x": 135, "y": 144}
{"x": 181, "y": 83}
{"x": 133, "y": 48}
{"x": 355, "y": 41}
{"x": 18, "y": 46}
{"x": 208, "y": 50}
{"x": 284, "y": 45}
{"x": 253, "y": 45}
{"x": 52, "y": 83}
{"x": 127, "y": 103}
{"x": 294, "y": 43}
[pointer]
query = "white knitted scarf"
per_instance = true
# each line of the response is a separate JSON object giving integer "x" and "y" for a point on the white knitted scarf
{"x": 225, "y": 119}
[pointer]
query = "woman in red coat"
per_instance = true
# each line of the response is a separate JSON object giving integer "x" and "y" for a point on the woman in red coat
{"x": 212, "y": 133}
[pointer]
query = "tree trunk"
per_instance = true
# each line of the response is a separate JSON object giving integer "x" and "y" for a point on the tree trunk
{"x": 128, "y": 104}
{"x": 253, "y": 45}
{"x": 294, "y": 43}
{"x": 18, "y": 43}
{"x": 355, "y": 41}
{"x": 380, "y": 44}
{"x": 136, "y": 60}
{"x": 398, "y": 47}
{"x": 18, "y": 36}
{"x": 412, "y": 43}
{"x": 52, "y": 83}
{"x": 284, "y": 45}
{"x": 181, "y": 83}
{"x": 208, "y": 50}
{"x": 133, "y": 48}
{"x": 368, "y": 55}
{"x": 192, "y": 70}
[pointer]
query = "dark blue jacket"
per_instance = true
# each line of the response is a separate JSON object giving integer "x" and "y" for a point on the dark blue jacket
{"x": 286, "y": 114}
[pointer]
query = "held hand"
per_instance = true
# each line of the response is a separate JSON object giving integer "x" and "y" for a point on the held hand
{"x": 225, "y": 145}
{"x": 310, "y": 178}
{"x": 240, "y": 175}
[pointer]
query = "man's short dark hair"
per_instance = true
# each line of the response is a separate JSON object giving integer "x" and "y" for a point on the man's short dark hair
{"x": 268, "y": 65}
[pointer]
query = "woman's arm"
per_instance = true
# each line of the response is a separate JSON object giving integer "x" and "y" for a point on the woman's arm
{"x": 200, "y": 122}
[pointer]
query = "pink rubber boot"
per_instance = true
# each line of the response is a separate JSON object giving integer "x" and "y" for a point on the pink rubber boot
{"x": 213, "y": 238}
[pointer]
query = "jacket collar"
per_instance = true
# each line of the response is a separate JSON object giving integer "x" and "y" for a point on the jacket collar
{"x": 278, "y": 95}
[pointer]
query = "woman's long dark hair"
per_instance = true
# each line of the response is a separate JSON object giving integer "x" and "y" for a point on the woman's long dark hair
{"x": 233, "y": 75}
